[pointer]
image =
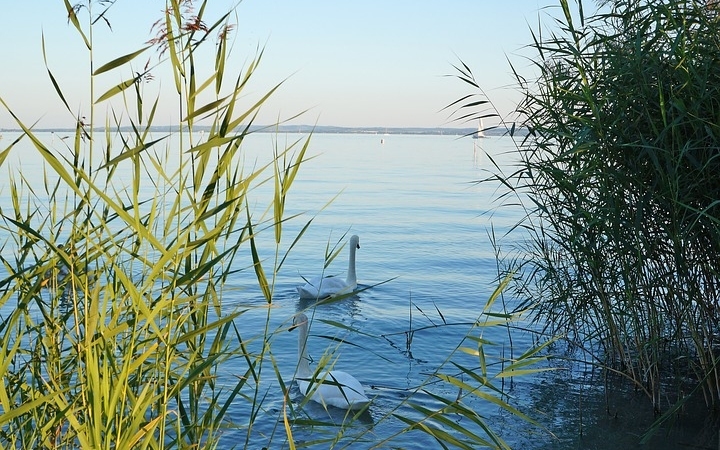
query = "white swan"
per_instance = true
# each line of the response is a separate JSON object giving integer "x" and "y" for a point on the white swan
{"x": 323, "y": 287}
{"x": 336, "y": 388}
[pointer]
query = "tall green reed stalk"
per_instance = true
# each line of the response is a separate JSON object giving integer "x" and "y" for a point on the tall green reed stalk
{"x": 619, "y": 169}
{"x": 115, "y": 327}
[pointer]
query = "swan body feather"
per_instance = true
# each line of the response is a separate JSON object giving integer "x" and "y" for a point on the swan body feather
{"x": 323, "y": 287}
{"x": 335, "y": 388}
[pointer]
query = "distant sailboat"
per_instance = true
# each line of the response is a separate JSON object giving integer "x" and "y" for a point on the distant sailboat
{"x": 480, "y": 133}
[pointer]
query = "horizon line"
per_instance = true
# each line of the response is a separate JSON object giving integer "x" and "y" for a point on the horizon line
{"x": 294, "y": 128}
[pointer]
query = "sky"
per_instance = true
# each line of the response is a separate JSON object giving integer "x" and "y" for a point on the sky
{"x": 368, "y": 63}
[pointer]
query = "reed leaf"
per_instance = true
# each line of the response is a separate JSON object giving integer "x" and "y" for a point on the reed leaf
{"x": 51, "y": 76}
{"x": 474, "y": 439}
{"x": 257, "y": 263}
{"x": 209, "y": 109}
{"x": 117, "y": 89}
{"x": 178, "y": 69}
{"x": 120, "y": 61}
{"x": 72, "y": 18}
{"x": 442, "y": 437}
{"x": 132, "y": 152}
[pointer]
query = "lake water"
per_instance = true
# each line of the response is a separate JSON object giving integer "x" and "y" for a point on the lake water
{"x": 424, "y": 225}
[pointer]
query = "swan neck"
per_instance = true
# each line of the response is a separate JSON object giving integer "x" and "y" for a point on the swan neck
{"x": 351, "y": 276}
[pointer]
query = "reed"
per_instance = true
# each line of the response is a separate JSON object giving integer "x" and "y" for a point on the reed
{"x": 618, "y": 172}
{"x": 117, "y": 328}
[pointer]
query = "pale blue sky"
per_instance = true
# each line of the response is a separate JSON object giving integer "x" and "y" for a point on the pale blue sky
{"x": 350, "y": 63}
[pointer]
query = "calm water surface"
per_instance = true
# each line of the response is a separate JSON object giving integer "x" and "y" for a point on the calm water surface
{"x": 425, "y": 226}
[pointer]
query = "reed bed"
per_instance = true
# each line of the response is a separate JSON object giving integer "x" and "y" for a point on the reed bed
{"x": 118, "y": 328}
{"x": 618, "y": 172}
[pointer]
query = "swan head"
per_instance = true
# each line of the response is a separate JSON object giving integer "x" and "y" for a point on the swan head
{"x": 355, "y": 241}
{"x": 298, "y": 321}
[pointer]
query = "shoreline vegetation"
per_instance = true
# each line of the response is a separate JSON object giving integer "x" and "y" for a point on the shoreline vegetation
{"x": 619, "y": 178}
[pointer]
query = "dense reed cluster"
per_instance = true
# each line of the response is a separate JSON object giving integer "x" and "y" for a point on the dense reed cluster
{"x": 619, "y": 172}
{"x": 117, "y": 329}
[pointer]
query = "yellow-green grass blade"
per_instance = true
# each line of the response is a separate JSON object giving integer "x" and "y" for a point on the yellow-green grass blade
{"x": 518, "y": 372}
{"x": 132, "y": 152}
{"x": 28, "y": 406}
{"x": 294, "y": 242}
{"x": 534, "y": 350}
{"x": 45, "y": 152}
{"x": 178, "y": 70}
{"x": 286, "y": 425}
{"x": 10, "y": 347}
{"x": 113, "y": 91}
{"x": 498, "y": 292}
{"x": 122, "y": 213}
{"x": 117, "y": 62}
{"x": 457, "y": 408}
{"x": 52, "y": 77}
{"x": 480, "y": 353}
{"x": 205, "y": 330}
{"x": 72, "y": 18}
{"x": 133, "y": 292}
{"x": 232, "y": 124}
{"x": 147, "y": 430}
{"x": 441, "y": 436}
{"x": 220, "y": 57}
{"x": 210, "y": 108}
{"x": 205, "y": 84}
{"x": 257, "y": 263}
{"x": 74, "y": 424}
{"x": 478, "y": 392}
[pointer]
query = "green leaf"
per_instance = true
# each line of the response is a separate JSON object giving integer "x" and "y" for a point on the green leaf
{"x": 132, "y": 152}
{"x": 257, "y": 263}
{"x": 116, "y": 89}
{"x": 52, "y": 77}
{"x": 211, "y": 107}
{"x": 72, "y": 17}
{"x": 117, "y": 62}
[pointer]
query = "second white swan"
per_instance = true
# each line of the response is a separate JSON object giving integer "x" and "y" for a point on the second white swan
{"x": 336, "y": 388}
{"x": 324, "y": 287}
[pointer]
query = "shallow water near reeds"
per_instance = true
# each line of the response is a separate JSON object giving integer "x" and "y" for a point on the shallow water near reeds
{"x": 428, "y": 257}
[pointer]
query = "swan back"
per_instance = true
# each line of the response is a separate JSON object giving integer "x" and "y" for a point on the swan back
{"x": 324, "y": 287}
{"x": 335, "y": 388}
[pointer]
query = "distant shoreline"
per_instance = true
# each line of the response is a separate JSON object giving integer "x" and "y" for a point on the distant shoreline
{"x": 306, "y": 129}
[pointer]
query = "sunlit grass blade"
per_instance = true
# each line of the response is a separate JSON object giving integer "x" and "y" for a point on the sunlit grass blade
{"x": 72, "y": 18}
{"x": 132, "y": 152}
{"x": 117, "y": 89}
{"x": 52, "y": 77}
{"x": 257, "y": 264}
{"x": 120, "y": 61}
